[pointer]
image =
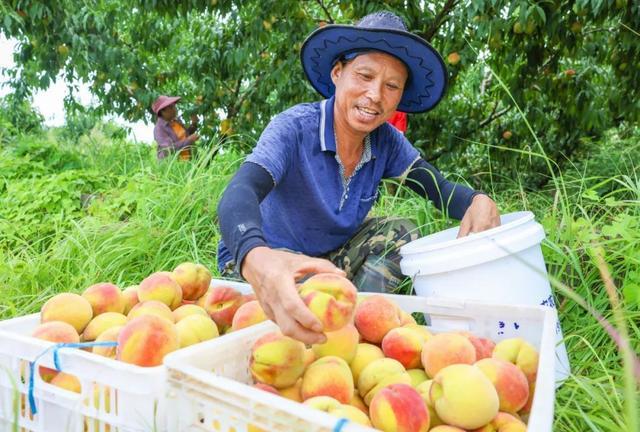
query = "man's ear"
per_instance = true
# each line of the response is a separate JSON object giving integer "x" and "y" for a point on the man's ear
{"x": 336, "y": 72}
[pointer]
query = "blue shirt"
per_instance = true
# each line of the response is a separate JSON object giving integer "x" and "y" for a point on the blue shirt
{"x": 312, "y": 208}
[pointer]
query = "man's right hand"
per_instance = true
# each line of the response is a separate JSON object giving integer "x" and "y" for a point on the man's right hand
{"x": 273, "y": 274}
{"x": 193, "y": 137}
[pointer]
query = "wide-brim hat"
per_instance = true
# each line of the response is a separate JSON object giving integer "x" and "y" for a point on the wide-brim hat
{"x": 163, "y": 102}
{"x": 379, "y": 31}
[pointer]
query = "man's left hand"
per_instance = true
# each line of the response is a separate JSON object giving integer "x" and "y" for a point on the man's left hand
{"x": 194, "y": 119}
{"x": 481, "y": 215}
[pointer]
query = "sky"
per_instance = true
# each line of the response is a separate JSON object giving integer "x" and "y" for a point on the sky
{"x": 50, "y": 102}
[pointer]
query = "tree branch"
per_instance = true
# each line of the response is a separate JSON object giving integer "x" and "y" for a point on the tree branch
{"x": 326, "y": 12}
{"x": 439, "y": 19}
{"x": 494, "y": 115}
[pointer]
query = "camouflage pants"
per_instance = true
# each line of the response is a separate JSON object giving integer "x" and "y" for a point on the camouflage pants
{"x": 371, "y": 258}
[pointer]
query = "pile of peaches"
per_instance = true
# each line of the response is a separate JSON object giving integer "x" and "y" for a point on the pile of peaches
{"x": 379, "y": 368}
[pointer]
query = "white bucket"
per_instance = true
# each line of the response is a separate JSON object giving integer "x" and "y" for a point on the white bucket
{"x": 503, "y": 265}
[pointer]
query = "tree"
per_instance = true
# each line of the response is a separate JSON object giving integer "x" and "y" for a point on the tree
{"x": 566, "y": 63}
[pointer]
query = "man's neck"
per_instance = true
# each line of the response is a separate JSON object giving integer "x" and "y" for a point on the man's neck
{"x": 349, "y": 143}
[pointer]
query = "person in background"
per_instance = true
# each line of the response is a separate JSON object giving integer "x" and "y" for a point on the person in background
{"x": 170, "y": 134}
{"x": 399, "y": 121}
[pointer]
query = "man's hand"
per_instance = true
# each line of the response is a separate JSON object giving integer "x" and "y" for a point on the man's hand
{"x": 273, "y": 275}
{"x": 193, "y": 137}
{"x": 194, "y": 119}
{"x": 481, "y": 215}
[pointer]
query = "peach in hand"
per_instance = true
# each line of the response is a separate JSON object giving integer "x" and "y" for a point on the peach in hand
{"x": 331, "y": 298}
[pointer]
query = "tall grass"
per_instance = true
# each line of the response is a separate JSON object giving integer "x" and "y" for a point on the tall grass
{"x": 148, "y": 216}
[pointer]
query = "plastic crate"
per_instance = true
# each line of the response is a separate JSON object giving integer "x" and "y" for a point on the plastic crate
{"x": 210, "y": 383}
{"x": 130, "y": 398}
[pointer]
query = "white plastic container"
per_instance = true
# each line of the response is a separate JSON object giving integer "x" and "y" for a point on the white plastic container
{"x": 503, "y": 264}
{"x": 210, "y": 383}
{"x": 136, "y": 395}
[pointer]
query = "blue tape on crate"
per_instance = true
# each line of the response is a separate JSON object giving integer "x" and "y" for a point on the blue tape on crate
{"x": 56, "y": 363}
{"x": 340, "y": 424}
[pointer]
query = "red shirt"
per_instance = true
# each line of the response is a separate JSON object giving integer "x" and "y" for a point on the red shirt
{"x": 399, "y": 120}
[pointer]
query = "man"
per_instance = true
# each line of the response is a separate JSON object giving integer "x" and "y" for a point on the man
{"x": 297, "y": 205}
{"x": 169, "y": 132}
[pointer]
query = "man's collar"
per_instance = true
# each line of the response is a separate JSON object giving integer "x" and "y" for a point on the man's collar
{"x": 327, "y": 134}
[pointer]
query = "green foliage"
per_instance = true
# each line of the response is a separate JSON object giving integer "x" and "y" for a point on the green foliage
{"x": 567, "y": 64}
{"x": 16, "y": 117}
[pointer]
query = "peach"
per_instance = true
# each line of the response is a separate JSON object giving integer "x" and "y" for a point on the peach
{"x": 446, "y": 349}
{"x": 446, "y": 428}
{"x": 356, "y": 401}
{"x": 130, "y": 296}
{"x": 375, "y": 316}
{"x": 194, "y": 329}
{"x": 70, "y": 308}
{"x": 322, "y": 403}
{"x": 331, "y": 298}
{"x": 464, "y": 397}
{"x": 484, "y": 347}
{"x": 334, "y": 407}
{"x": 399, "y": 408}
{"x": 417, "y": 376}
{"x": 194, "y": 279}
{"x": 521, "y": 353}
{"x": 67, "y": 381}
{"x": 292, "y": 393}
{"x": 145, "y": 340}
{"x": 221, "y": 303}
{"x": 423, "y": 389}
{"x": 380, "y": 374}
{"x": 328, "y": 376}
{"x": 309, "y": 357}
{"x": 58, "y": 332}
{"x": 406, "y": 319}
{"x": 104, "y": 297}
{"x": 503, "y": 422}
{"x": 405, "y": 345}
{"x": 277, "y": 360}
{"x": 526, "y": 409}
{"x": 423, "y": 330}
{"x": 342, "y": 343}
{"x": 247, "y": 315}
{"x": 365, "y": 354}
{"x": 267, "y": 388}
{"x": 109, "y": 335}
{"x": 186, "y": 310}
{"x": 351, "y": 413}
{"x": 101, "y": 323}
{"x": 162, "y": 287}
{"x": 151, "y": 307}
{"x": 509, "y": 381}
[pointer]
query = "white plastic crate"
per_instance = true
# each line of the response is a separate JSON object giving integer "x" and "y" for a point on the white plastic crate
{"x": 210, "y": 383}
{"x": 136, "y": 395}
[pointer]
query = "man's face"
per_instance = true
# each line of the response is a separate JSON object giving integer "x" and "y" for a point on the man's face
{"x": 368, "y": 89}
{"x": 169, "y": 113}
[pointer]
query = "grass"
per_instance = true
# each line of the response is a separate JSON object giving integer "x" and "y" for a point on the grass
{"x": 150, "y": 216}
